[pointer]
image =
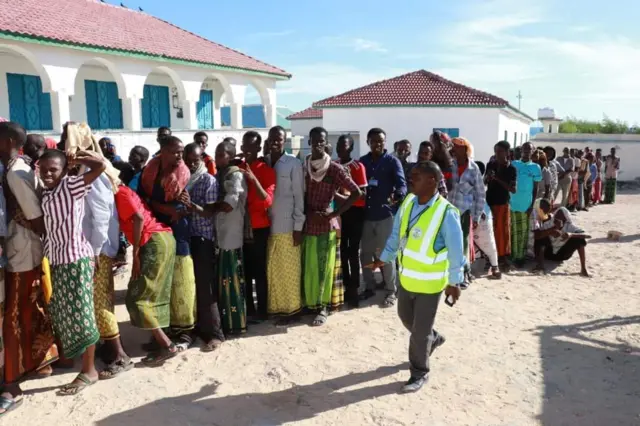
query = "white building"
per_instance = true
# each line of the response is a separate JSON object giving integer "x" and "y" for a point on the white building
{"x": 550, "y": 123}
{"x": 124, "y": 72}
{"x": 412, "y": 106}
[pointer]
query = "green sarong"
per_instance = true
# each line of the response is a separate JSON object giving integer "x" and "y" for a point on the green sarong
{"x": 519, "y": 235}
{"x": 610, "y": 188}
{"x": 231, "y": 284}
{"x": 319, "y": 260}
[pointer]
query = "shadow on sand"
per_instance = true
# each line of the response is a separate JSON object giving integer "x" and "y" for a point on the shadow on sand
{"x": 588, "y": 381}
{"x": 265, "y": 409}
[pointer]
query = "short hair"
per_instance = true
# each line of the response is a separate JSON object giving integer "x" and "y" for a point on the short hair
{"x": 230, "y": 140}
{"x": 481, "y": 166}
{"x": 163, "y": 129}
{"x": 199, "y": 134}
{"x": 550, "y": 149}
{"x": 317, "y": 131}
{"x": 430, "y": 168}
{"x": 13, "y": 130}
{"x": 254, "y": 135}
{"x": 36, "y": 139}
{"x": 347, "y": 139}
{"x": 504, "y": 145}
{"x": 545, "y": 202}
{"x": 191, "y": 147}
{"x": 279, "y": 129}
{"x": 528, "y": 143}
{"x": 375, "y": 131}
{"x": 54, "y": 154}
{"x": 142, "y": 150}
{"x": 401, "y": 141}
{"x": 425, "y": 144}
{"x": 127, "y": 171}
{"x": 228, "y": 147}
{"x": 169, "y": 140}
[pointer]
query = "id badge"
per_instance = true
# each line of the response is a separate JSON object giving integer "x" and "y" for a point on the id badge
{"x": 373, "y": 182}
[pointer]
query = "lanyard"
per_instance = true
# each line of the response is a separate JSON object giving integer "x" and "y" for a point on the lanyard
{"x": 414, "y": 221}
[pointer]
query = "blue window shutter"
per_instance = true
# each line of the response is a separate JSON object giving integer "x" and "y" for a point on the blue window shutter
{"x": 103, "y": 104}
{"x": 205, "y": 110}
{"x": 454, "y": 133}
{"x": 16, "y": 98}
{"x": 164, "y": 108}
{"x": 46, "y": 120}
{"x": 31, "y": 102}
{"x": 115, "y": 106}
{"x": 146, "y": 107}
{"x": 91, "y": 100}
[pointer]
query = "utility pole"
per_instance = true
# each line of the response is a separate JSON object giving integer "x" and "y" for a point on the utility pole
{"x": 519, "y": 99}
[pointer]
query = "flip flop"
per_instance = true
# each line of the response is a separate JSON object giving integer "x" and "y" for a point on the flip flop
{"x": 75, "y": 388}
{"x": 158, "y": 358}
{"x": 116, "y": 368}
{"x": 389, "y": 301}
{"x": 212, "y": 345}
{"x": 8, "y": 405}
{"x": 320, "y": 319}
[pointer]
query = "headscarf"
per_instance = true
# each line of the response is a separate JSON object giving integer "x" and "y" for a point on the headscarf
{"x": 50, "y": 143}
{"x": 202, "y": 170}
{"x": 464, "y": 142}
{"x": 3, "y": 120}
{"x": 173, "y": 183}
{"x": 80, "y": 138}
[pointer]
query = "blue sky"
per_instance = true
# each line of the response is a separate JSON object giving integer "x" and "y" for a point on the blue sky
{"x": 581, "y": 57}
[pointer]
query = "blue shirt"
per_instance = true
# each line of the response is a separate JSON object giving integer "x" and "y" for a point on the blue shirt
{"x": 594, "y": 171}
{"x": 526, "y": 176}
{"x": 468, "y": 193}
{"x": 135, "y": 181}
{"x": 449, "y": 236}
{"x": 204, "y": 191}
{"x": 385, "y": 178}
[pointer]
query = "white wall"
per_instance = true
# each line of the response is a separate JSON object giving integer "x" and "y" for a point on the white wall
{"x": 302, "y": 127}
{"x": 479, "y": 125}
{"x": 627, "y": 148}
{"x": 513, "y": 124}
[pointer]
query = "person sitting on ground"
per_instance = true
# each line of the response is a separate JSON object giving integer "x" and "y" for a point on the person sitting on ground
{"x": 556, "y": 237}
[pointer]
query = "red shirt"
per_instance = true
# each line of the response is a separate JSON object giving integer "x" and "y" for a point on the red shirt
{"x": 128, "y": 203}
{"x": 210, "y": 164}
{"x": 258, "y": 208}
{"x": 358, "y": 174}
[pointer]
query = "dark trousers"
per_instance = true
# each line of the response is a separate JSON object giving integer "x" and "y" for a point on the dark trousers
{"x": 255, "y": 269}
{"x": 351, "y": 234}
{"x": 417, "y": 312}
{"x": 209, "y": 325}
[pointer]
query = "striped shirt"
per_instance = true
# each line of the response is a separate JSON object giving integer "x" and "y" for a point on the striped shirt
{"x": 63, "y": 209}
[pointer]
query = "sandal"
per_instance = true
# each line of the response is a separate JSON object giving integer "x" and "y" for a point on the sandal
{"x": 183, "y": 342}
{"x": 75, "y": 388}
{"x": 538, "y": 270}
{"x": 389, "y": 301}
{"x": 151, "y": 346}
{"x": 320, "y": 319}
{"x": 9, "y": 405}
{"x": 157, "y": 358}
{"x": 115, "y": 368}
{"x": 211, "y": 345}
{"x": 495, "y": 274}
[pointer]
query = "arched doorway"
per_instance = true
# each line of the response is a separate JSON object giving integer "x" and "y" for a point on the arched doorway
{"x": 161, "y": 103}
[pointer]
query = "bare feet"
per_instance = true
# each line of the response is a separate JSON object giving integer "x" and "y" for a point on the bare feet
{"x": 585, "y": 273}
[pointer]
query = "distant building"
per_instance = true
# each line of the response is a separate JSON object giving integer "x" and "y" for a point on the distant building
{"x": 253, "y": 117}
{"x": 412, "y": 106}
{"x": 550, "y": 123}
{"x": 124, "y": 72}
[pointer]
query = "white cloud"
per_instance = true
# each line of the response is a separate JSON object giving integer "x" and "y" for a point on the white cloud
{"x": 356, "y": 44}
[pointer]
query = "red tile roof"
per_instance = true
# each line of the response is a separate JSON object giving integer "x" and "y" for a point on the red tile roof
{"x": 306, "y": 114}
{"x": 419, "y": 88}
{"x": 91, "y": 23}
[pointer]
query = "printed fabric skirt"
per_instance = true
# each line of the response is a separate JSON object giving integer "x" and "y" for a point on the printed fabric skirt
{"x": 597, "y": 191}
{"x": 322, "y": 282}
{"x": 573, "y": 194}
{"x": 71, "y": 306}
{"x": 231, "y": 285}
{"x": 502, "y": 228}
{"x": 610, "y": 188}
{"x": 27, "y": 335}
{"x": 149, "y": 296}
{"x": 284, "y": 275}
{"x": 103, "y": 299}
{"x": 519, "y": 235}
{"x": 183, "y": 294}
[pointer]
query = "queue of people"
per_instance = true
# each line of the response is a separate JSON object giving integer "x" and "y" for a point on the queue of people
{"x": 207, "y": 233}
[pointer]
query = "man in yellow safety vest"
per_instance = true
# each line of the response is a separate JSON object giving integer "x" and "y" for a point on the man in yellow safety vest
{"x": 427, "y": 237}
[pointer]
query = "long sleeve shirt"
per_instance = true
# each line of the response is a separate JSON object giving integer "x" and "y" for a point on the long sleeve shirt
{"x": 468, "y": 193}
{"x": 386, "y": 178}
{"x": 449, "y": 236}
{"x": 100, "y": 223}
{"x": 287, "y": 210}
{"x": 257, "y": 207}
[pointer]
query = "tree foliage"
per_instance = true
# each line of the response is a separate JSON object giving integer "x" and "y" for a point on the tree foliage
{"x": 607, "y": 125}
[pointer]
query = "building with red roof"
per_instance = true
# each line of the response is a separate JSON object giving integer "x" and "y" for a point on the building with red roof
{"x": 122, "y": 71}
{"x": 411, "y": 106}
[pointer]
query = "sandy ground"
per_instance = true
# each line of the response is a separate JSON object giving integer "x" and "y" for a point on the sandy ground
{"x": 554, "y": 350}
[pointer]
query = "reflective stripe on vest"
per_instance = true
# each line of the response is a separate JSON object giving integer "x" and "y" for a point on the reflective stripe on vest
{"x": 434, "y": 227}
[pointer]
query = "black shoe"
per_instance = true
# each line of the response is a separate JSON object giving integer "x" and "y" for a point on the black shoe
{"x": 367, "y": 294}
{"x": 439, "y": 341}
{"x": 415, "y": 384}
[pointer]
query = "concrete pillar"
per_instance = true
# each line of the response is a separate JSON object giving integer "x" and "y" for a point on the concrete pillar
{"x": 60, "y": 109}
{"x": 190, "y": 115}
{"x": 236, "y": 115}
{"x": 217, "y": 116}
{"x": 131, "y": 114}
{"x": 270, "y": 115}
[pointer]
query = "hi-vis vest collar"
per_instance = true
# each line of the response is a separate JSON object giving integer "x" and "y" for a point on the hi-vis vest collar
{"x": 424, "y": 254}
